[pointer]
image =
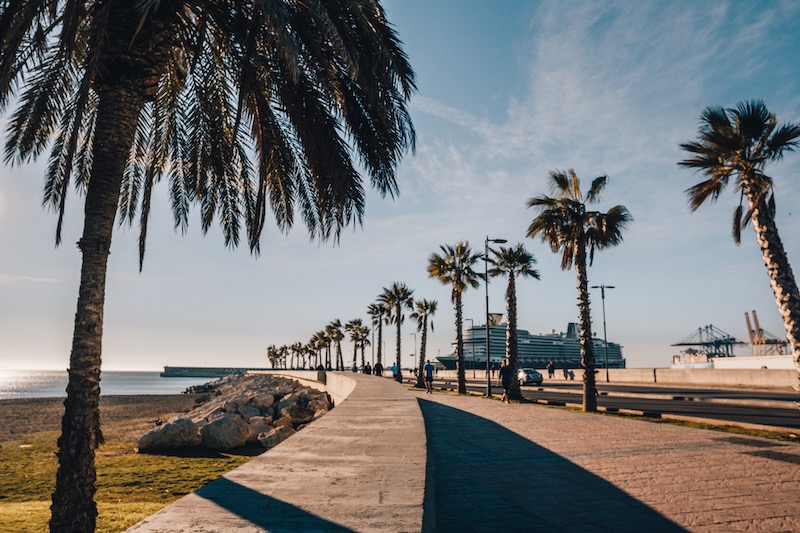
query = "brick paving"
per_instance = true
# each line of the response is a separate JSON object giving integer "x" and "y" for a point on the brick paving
{"x": 523, "y": 467}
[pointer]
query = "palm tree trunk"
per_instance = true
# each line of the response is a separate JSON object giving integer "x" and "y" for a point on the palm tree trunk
{"x": 462, "y": 379}
{"x": 781, "y": 277}
{"x": 380, "y": 340}
{"x": 421, "y": 364}
{"x": 73, "y": 507}
{"x": 512, "y": 347}
{"x": 398, "y": 310}
{"x": 587, "y": 346}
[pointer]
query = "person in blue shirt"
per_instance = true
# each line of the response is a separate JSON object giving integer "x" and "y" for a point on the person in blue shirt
{"x": 428, "y": 368}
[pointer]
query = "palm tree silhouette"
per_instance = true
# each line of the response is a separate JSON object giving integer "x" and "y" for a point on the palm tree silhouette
{"x": 395, "y": 299}
{"x": 423, "y": 311}
{"x": 132, "y": 92}
{"x": 738, "y": 143}
{"x": 565, "y": 224}
{"x": 454, "y": 267}
{"x": 377, "y": 313}
{"x": 514, "y": 262}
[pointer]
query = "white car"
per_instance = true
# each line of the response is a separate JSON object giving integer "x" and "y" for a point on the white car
{"x": 529, "y": 375}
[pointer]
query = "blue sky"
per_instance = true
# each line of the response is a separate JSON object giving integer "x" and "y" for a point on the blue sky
{"x": 507, "y": 92}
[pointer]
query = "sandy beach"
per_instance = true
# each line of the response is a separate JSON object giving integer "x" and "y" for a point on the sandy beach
{"x": 121, "y": 417}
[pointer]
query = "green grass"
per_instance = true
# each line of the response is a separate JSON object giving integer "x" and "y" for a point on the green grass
{"x": 130, "y": 486}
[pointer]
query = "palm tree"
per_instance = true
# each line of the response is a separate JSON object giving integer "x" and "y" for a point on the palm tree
{"x": 272, "y": 355}
{"x": 565, "y": 224}
{"x": 739, "y": 143}
{"x": 297, "y": 354}
{"x": 334, "y": 332}
{"x": 454, "y": 266}
{"x": 424, "y": 309}
{"x": 353, "y": 327}
{"x": 363, "y": 340}
{"x": 514, "y": 262}
{"x": 395, "y": 298}
{"x": 377, "y": 313}
{"x": 132, "y": 91}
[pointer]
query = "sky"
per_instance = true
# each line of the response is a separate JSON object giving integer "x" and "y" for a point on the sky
{"x": 507, "y": 91}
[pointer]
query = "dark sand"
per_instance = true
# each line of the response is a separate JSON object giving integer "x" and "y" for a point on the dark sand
{"x": 121, "y": 417}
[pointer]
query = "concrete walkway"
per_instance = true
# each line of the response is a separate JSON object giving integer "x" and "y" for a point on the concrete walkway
{"x": 361, "y": 467}
{"x": 522, "y": 467}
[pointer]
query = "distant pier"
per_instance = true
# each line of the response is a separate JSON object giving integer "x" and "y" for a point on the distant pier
{"x": 202, "y": 371}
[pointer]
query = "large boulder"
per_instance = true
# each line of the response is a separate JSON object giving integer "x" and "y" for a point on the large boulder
{"x": 298, "y": 414}
{"x": 177, "y": 433}
{"x": 248, "y": 411}
{"x": 256, "y": 426}
{"x": 263, "y": 401}
{"x": 227, "y": 432}
{"x": 274, "y": 437}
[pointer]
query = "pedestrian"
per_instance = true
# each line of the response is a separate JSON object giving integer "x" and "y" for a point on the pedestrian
{"x": 551, "y": 370}
{"x": 428, "y": 368}
{"x": 378, "y": 370}
{"x": 493, "y": 369}
{"x": 566, "y": 373}
{"x": 367, "y": 369}
{"x": 505, "y": 378}
{"x": 395, "y": 371}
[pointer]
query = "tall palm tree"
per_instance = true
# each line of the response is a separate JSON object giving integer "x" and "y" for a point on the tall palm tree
{"x": 565, "y": 224}
{"x": 424, "y": 309}
{"x": 363, "y": 340}
{"x": 454, "y": 266}
{"x": 272, "y": 355}
{"x": 377, "y": 313}
{"x": 395, "y": 299}
{"x": 514, "y": 262}
{"x": 297, "y": 354}
{"x": 335, "y": 334}
{"x": 738, "y": 143}
{"x": 132, "y": 91}
{"x": 353, "y": 327}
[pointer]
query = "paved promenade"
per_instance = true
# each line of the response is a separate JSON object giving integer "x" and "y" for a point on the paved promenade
{"x": 523, "y": 467}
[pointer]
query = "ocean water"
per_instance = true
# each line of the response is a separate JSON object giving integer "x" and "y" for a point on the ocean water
{"x": 53, "y": 384}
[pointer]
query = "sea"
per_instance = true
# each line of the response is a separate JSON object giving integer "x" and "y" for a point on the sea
{"x": 53, "y": 383}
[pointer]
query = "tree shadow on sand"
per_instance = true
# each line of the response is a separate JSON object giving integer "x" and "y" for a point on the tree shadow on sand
{"x": 488, "y": 478}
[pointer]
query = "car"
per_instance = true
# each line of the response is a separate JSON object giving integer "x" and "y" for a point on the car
{"x": 529, "y": 375}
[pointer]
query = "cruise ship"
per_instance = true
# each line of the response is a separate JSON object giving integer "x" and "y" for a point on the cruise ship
{"x": 563, "y": 349}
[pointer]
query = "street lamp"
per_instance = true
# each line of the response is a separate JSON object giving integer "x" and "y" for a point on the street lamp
{"x": 605, "y": 336}
{"x": 472, "y": 344}
{"x": 413, "y": 355}
{"x": 486, "y": 282}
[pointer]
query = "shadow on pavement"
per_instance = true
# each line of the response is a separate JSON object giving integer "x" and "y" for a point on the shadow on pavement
{"x": 264, "y": 511}
{"x": 488, "y": 478}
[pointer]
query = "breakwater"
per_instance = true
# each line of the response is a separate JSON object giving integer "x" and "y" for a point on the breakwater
{"x": 203, "y": 372}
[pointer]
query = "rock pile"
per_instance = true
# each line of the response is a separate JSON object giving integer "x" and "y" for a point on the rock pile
{"x": 241, "y": 410}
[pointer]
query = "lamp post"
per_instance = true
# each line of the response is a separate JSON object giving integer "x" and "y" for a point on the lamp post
{"x": 414, "y": 355}
{"x": 472, "y": 344}
{"x": 486, "y": 282}
{"x": 605, "y": 336}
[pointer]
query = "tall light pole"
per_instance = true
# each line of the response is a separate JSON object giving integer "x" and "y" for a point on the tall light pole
{"x": 472, "y": 344}
{"x": 605, "y": 336}
{"x": 486, "y": 282}
{"x": 413, "y": 355}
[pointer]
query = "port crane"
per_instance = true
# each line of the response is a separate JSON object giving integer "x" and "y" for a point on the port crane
{"x": 711, "y": 341}
{"x": 762, "y": 342}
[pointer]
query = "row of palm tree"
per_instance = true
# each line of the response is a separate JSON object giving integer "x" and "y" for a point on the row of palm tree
{"x": 570, "y": 229}
{"x": 317, "y": 351}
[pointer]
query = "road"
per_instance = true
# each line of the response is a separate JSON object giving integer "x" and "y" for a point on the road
{"x": 764, "y": 407}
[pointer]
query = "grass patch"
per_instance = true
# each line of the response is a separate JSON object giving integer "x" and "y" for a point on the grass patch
{"x": 130, "y": 486}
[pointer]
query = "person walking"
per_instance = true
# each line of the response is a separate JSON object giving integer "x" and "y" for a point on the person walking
{"x": 551, "y": 370}
{"x": 378, "y": 369}
{"x": 506, "y": 379}
{"x": 395, "y": 371}
{"x": 428, "y": 368}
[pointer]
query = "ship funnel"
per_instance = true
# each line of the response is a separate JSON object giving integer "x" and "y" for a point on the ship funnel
{"x": 572, "y": 330}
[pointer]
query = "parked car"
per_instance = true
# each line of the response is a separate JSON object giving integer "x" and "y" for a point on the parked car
{"x": 527, "y": 376}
